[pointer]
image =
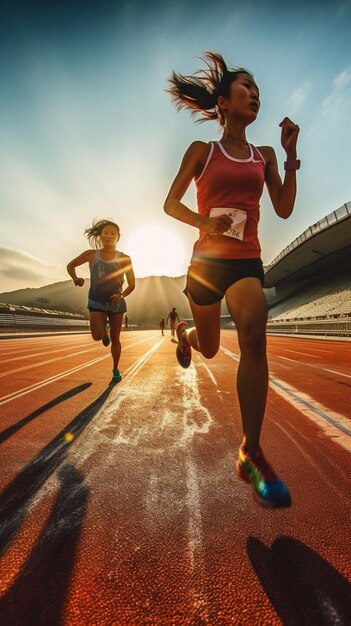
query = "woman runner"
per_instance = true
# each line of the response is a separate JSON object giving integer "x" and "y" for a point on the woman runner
{"x": 229, "y": 175}
{"x": 108, "y": 266}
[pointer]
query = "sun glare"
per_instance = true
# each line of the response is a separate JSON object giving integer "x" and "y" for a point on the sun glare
{"x": 156, "y": 251}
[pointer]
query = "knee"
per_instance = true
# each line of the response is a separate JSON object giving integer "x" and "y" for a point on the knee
{"x": 209, "y": 351}
{"x": 253, "y": 339}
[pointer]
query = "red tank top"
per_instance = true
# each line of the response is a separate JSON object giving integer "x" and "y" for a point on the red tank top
{"x": 229, "y": 182}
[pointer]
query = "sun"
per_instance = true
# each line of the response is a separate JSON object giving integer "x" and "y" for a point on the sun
{"x": 156, "y": 251}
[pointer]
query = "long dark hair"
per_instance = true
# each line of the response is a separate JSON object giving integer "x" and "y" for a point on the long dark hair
{"x": 200, "y": 91}
{"x": 94, "y": 231}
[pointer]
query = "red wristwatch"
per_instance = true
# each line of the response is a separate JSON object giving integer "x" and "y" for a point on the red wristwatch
{"x": 292, "y": 165}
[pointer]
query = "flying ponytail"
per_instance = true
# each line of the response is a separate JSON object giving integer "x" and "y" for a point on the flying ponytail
{"x": 200, "y": 91}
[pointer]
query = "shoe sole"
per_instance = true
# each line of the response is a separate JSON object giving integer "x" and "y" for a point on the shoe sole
{"x": 177, "y": 353}
{"x": 181, "y": 363}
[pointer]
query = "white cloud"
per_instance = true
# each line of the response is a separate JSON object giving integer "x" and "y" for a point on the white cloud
{"x": 298, "y": 97}
{"x": 342, "y": 80}
{"x": 337, "y": 101}
{"x": 335, "y": 105}
{"x": 343, "y": 8}
{"x": 18, "y": 270}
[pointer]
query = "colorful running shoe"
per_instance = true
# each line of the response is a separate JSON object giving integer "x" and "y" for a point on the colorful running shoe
{"x": 116, "y": 375}
{"x": 106, "y": 339}
{"x": 183, "y": 352}
{"x": 269, "y": 490}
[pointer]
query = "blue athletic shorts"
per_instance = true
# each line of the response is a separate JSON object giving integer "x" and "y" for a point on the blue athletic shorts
{"x": 107, "y": 307}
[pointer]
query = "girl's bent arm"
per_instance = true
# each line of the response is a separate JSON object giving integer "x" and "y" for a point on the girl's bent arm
{"x": 85, "y": 257}
{"x": 192, "y": 165}
{"x": 129, "y": 272}
{"x": 193, "y": 159}
{"x": 282, "y": 194}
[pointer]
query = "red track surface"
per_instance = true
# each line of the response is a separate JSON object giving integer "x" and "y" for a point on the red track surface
{"x": 140, "y": 519}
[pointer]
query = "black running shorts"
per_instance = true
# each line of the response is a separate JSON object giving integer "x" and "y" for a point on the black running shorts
{"x": 209, "y": 278}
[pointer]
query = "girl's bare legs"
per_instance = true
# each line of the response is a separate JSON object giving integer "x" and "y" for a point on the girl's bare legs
{"x": 247, "y": 305}
{"x": 205, "y": 336}
{"x": 115, "y": 330}
{"x": 98, "y": 321}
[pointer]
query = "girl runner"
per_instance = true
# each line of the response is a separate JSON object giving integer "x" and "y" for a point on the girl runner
{"x": 229, "y": 175}
{"x": 106, "y": 300}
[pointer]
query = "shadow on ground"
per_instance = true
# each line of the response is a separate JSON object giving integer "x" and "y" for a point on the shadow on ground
{"x": 18, "y": 495}
{"x": 301, "y": 585}
{"x": 11, "y": 430}
{"x": 37, "y": 595}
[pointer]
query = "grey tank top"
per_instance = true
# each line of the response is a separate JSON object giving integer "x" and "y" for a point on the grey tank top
{"x": 106, "y": 278}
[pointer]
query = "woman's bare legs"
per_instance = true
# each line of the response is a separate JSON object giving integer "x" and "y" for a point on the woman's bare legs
{"x": 115, "y": 330}
{"x": 98, "y": 321}
{"x": 205, "y": 336}
{"x": 247, "y": 305}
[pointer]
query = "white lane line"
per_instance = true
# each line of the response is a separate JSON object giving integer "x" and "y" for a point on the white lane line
{"x": 317, "y": 468}
{"x": 133, "y": 369}
{"x": 107, "y": 414}
{"x": 314, "y": 356}
{"x": 17, "y": 394}
{"x": 325, "y": 369}
{"x": 195, "y": 418}
{"x": 47, "y": 381}
{"x": 68, "y": 347}
{"x": 335, "y": 372}
{"x": 231, "y": 354}
{"x": 320, "y": 350}
{"x": 41, "y": 363}
{"x": 87, "y": 444}
{"x": 285, "y": 367}
{"x": 46, "y": 352}
{"x": 60, "y": 358}
{"x": 195, "y": 543}
{"x": 35, "y": 354}
{"x": 207, "y": 370}
{"x": 330, "y": 421}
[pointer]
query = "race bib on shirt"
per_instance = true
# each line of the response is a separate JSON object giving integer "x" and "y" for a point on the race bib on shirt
{"x": 239, "y": 218}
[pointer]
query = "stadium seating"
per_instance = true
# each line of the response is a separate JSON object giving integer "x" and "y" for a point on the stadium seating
{"x": 324, "y": 296}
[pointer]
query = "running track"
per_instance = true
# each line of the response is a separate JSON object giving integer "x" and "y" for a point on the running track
{"x": 140, "y": 519}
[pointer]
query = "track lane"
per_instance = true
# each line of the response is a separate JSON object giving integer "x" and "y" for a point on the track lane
{"x": 167, "y": 534}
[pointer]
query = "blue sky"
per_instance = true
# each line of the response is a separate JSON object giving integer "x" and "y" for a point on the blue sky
{"x": 87, "y": 129}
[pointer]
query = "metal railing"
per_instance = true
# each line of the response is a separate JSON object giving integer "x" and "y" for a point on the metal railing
{"x": 336, "y": 216}
{"x": 10, "y": 322}
{"x": 337, "y": 327}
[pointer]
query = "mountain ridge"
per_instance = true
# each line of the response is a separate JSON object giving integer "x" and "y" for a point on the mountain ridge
{"x": 152, "y": 299}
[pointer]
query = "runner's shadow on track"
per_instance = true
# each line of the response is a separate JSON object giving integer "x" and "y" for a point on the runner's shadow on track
{"x": 11, "y": 430}
{"x": 18, "y": 495}
{"x": 302, "y": 586}
{"x": 38, "y": 594}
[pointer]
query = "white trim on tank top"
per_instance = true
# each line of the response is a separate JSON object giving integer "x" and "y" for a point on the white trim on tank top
{"x": 261, "y": 155}
{"x": 207, "y": 160}
{"x": 114, "y": 260}
{"x": 233, "y": 158}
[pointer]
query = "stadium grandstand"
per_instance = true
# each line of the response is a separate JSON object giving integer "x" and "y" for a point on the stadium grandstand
{"x": 307, "y": 286}
{"x": 16, "y": 318}
{"x": 312, "y": 280}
